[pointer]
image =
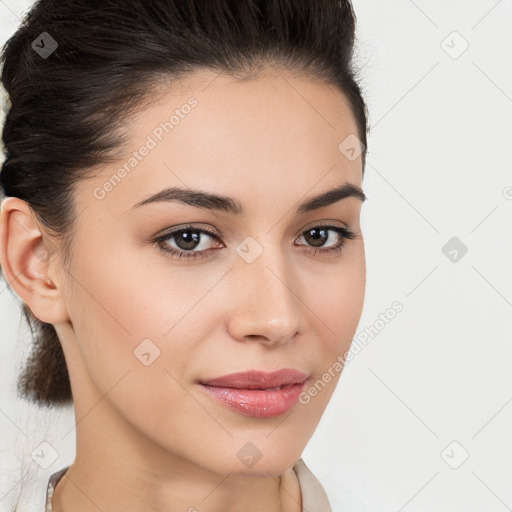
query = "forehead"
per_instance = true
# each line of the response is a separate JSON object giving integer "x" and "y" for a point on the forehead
{"x": 211, "y": 131}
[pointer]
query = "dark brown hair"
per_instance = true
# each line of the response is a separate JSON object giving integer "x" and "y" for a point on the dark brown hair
{"x": 75, "y": 70}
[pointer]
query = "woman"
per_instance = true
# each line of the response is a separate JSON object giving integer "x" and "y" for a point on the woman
{"x": 181, "y": 223}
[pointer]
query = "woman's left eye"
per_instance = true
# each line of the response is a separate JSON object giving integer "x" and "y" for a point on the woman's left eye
{"x": 189, "y": 243}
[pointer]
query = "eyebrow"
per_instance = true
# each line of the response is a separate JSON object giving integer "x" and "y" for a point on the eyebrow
{"x": 221, "y": 203}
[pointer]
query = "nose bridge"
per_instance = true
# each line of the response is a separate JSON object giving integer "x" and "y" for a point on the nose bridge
{"x": 265, "y": 303}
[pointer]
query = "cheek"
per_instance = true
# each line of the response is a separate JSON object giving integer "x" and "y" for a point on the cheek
{"x": 337, "y": 311}
{"x": 137, "y": 336}
{"x": 338, "y": 300}
{"x": 125, "y": 308}
{"x": 143, "y": 315}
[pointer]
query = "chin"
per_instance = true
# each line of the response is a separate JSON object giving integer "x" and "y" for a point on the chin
{"x": 254, "y": 459}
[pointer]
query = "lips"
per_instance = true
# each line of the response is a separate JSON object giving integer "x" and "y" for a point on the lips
{"x": 257, "y": 393}
{"x": 255, "y": 379}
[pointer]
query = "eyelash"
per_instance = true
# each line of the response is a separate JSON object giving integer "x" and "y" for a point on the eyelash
{"x": 345, "y": 234}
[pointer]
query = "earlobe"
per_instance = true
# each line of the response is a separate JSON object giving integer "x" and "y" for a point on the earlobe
{"x": 24, "y": 261}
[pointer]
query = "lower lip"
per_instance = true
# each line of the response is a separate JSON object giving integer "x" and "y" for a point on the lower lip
{"x": 259, "y": 403}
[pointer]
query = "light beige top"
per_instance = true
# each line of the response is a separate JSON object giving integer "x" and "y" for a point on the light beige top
{"x": 314, "y": 498}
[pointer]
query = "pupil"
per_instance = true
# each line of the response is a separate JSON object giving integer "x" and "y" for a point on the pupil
{"x": 191, "y": 239}
{"x": 319, "y": 235}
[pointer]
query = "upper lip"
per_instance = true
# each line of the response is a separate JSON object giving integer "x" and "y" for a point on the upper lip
{"x": 255, "y": 379}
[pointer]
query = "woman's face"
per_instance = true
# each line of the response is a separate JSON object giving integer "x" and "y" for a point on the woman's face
{"x": 253, "y": 291}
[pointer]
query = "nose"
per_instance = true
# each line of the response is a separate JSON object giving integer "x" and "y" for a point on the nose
{"x": 264, "y": 305}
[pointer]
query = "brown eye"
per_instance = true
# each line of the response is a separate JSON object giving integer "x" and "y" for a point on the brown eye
{"x": 190, "y": 242}
{"x": 187, "y": 239}
{"x": 318, "y": 236}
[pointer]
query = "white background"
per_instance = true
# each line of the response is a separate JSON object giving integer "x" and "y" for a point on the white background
{"x": 439, "y": 166}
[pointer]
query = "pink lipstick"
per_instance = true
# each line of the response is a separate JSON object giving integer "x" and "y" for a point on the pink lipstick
{"x": 257, "y": 393}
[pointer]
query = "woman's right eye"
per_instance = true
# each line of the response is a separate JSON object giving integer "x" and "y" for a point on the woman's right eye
{"x": 190, "y": 242}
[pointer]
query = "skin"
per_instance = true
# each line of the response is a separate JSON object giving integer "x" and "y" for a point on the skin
{"x": 147, "y": 438}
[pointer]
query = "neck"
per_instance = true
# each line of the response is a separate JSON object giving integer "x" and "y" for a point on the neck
{"x": 118, "y": 469}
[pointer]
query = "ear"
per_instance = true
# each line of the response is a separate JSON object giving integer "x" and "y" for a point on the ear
{"x": 24, "y": 251}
